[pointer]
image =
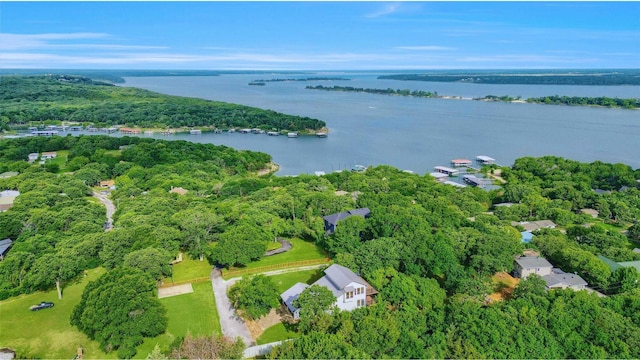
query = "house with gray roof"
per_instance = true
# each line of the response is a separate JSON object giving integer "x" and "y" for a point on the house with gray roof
{"x": 527, "y": 265}
{"x": 559, "y": 279}
{"x": 331, "y": 221}
{"x": 350, "y": 290}
{"x": 5, "y": 245}
{"x": 291, "y": 295}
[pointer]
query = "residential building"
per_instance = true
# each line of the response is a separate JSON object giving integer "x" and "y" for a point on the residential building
{"x": 527, "y": 265}
{"x": 5, "y": 245}
{"x": 6, "y": 199}
{"x": 350, "y": 290}
{"x": 48, "y": 155}
{"x": 535, "y": 225}
{"x": 331, "y": 221}
{"x": 559, "y": 279}
{"x": 178, "y": 190}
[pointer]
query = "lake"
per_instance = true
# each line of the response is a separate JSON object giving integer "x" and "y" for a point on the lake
{"x": 416, "y": 133}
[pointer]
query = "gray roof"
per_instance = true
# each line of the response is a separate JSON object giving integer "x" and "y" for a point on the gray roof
{"x": 559, "y": 278}
{"x": 337, "y": 277}
{"x": 4, "y": 245}
{"x": 291, "y": 294}
{"x": 530, "y": 262}
{"x": 334, "y": 218}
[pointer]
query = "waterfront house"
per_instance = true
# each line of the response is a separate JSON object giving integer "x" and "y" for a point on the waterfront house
{"x": 527, "y": 265}
{"x": 350, "y": 290}
{"x": 331, "y": 221}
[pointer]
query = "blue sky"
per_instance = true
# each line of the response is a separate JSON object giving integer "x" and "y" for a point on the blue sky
{"x": 319, "y": 35}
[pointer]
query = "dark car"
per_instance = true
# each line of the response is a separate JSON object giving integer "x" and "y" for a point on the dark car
{"x": 42, "y": 305}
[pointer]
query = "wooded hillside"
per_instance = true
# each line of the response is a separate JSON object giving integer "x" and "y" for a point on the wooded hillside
{"x": 56, "y": 98}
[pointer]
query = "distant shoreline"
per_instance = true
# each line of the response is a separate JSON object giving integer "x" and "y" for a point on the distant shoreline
{"x": 604, "y": 102}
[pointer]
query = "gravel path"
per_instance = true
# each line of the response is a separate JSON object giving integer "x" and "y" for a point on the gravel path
{"x": 232, "y": 325}
{"x": 285, "y": 245}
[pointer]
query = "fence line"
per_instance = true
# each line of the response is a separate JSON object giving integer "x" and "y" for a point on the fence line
{"x": 175, "y": 283}
{"x": 261, "y": 269}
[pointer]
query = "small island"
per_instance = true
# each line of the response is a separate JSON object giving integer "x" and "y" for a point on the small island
{"x": 401, "y": 92}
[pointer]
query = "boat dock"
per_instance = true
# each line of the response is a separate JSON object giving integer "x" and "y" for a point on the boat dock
{"x": 461, "y": 162}
{"x": 447, "y": 170}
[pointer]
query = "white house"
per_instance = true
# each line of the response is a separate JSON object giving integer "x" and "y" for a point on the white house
{"x": 527, "y": 265}
{"x": 349, "y": 289}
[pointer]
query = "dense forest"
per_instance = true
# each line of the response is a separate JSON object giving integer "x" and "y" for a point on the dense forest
{"x": 619, "y": 77}
{"x": 55, "y": 98}
{"x": 580, "y": 100}
{"x": 430, "y": 249}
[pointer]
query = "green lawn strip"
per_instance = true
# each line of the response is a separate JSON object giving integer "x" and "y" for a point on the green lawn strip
{"x": 284, "y": 281}
{"x": 301, "y": 250}
{"x": 277, "y": 332}
{"x": 190, "y": 269}
{"x": 60, "y": 160}
{"x": 47, "y": 334}
{"x": 195, "y": 312}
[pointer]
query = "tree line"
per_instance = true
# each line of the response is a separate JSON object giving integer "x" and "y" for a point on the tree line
{"x": 389, "y": 91}
{"x": 619, "y": 77}
{"x": 56, "y": 98}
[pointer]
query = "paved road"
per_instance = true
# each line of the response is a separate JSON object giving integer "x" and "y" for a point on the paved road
{"x": 232, "y": 325}
{"x": 285, "y": 245}
{"x": 111, "y": 209}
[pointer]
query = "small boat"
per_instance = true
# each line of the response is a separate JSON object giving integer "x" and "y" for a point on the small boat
{"x": 321, "y": 134}
{"x": 359, "y": 168}
{"x": 292, "y": 134}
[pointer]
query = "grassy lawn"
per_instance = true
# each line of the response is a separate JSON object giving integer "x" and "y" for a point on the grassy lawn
{"x": 301, "y": 250}
{"x": 277, "y": 332}
{"x": 195, "y": 312}
{"x": 47, "y": 334}
{"x": 190, "y": 269}
{"x": 287, "y": 280}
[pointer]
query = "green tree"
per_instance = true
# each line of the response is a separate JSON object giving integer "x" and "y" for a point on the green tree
{"x": 119, "y": 309}
{"x": 313, "y": 302}
{"x": 53, "y": 268}
{"x": 152, "y": 261}
{"x": 254, "y": 296}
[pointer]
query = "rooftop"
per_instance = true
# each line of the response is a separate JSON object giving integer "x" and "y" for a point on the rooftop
{"x": 529, "y": 262}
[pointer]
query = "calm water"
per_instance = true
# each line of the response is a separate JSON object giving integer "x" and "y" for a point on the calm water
{"x": 417, "y": 134}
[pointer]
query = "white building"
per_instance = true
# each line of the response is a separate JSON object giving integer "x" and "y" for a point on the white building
{"x": 350, "y": 290}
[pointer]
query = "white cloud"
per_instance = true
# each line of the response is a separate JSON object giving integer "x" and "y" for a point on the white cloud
{"x": 386, "y": 10}
{"x": 425, "y": 48}
{"x": 34, "y": 41}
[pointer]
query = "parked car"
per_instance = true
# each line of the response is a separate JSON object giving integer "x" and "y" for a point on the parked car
{"x": 42, "y": 305}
